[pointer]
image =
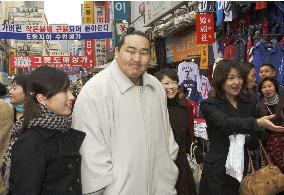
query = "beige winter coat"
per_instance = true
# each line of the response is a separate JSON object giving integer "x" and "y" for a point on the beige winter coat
{"x": 129, "y": 146}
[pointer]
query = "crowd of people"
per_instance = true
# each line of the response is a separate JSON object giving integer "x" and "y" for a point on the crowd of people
{"x": 128, "y": 132}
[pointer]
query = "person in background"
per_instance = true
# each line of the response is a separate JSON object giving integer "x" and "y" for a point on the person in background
{"x": 129, "y": 148}
{"x": 178, "y": 114}
{"x": 268, "y": 70}
{"x": 272, "y": 103}
{"x": 248, "y": 73}
{"x": 6, "y": 124}
{"x": 17, "y": 95}
{"x": 45, "y": 159}
{"x": 227, "y": 113}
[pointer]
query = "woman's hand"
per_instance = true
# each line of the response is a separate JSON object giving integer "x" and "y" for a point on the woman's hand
{"x": 265, "y": 122}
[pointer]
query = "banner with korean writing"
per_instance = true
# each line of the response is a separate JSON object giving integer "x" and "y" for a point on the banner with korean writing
{"x": 204, "y": 57}
{"x": 54, "y": 61}
{"x": 100, "y": 44}
{"x": 56, "y": 32}
{"x": 205, "y": 28}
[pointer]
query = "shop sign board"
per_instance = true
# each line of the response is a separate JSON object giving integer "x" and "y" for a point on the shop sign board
{"x": 121, "y": 10}
{"x": 88, "y": 18}
{"x": 185, "y": 46}
{"x": 56, "y": 32}
{"x": 120, "y": 28}
{"x": 54, "y": 61}
{"x": 100, "y": 44}
{"x": 205, "y": 28}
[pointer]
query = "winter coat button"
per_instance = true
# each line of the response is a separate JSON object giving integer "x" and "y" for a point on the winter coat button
{"x": 78, "y": 180}
{"x": 70, "y": 166}
{"x": 77, "y": 159}
{"x": 70, "y": 188}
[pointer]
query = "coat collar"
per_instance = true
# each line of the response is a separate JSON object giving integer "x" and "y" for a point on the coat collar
{"x": 123, "y": 82}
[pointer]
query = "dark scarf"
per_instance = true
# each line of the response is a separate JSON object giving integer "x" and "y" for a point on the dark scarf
{"x": 272, "y": 100}
{"x": 46, "y": 119}
{"x": 50, "y": 120}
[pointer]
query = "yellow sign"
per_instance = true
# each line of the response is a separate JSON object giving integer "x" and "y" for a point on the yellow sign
{"x": 88, "y": 17}
{"x": 204, "y": 57}
{"x": 12, "y": 71}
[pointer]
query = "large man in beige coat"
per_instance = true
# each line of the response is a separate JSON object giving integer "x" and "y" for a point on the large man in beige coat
{"x": 129, "y": 146}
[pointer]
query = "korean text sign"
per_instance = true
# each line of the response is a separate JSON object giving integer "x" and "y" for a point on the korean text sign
{"x": 56, "y": 32}
{"x": 54, "y": 61}
{"x": 205, "y": 28}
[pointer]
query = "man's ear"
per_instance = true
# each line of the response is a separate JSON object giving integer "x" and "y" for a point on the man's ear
{"x": 41, "y": 99}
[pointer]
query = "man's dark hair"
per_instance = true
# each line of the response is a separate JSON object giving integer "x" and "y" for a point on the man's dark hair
{"x": 270, "y": 65}
{"x": 3, "y": 89}
{"x": 272, "y": 80}
{"x": 131, "y": 31}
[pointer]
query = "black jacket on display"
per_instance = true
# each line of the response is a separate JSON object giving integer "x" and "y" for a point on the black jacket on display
{"x": 223, "y": 120}
{"x": 47, "y": 162}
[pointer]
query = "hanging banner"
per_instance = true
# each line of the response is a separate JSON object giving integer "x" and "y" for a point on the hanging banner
{"x": 56, "y": 32}
{"x": 100, "y": 44}
{"x": 12, "y": 53}
{"x": 204, "y": 57}
{"x": 88, "y": 18}
{"x": 54, "y": 61}
{"x": 205, "y": 28}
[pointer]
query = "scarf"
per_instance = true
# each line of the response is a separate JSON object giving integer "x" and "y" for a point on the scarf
{"x": 271, "y": 100}
{"x": 46, "y": 119}
{"x": 19, "y": 107}
{"x": 50, "y": 120}
{"x": 5, "y": 169}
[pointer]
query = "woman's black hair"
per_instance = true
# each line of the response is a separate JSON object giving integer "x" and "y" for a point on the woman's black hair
{"x": 272, "y": 80}
{"x": 172, "y": 74}
{"x": 47, "y": 81}
{"x": 245, "y": 68}
{"x": 3, "y": 89}
{"x": 21, "y": 80}
{"x": 221, "y": 74}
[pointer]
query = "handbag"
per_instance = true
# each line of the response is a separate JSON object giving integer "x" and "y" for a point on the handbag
{"x": 268, "y": 180}
{"x": 195, "y": 167}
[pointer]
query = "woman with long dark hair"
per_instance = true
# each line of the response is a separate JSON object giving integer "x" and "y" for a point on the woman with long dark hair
{"x": 227, "y": 113}
{"x": 45, "y": 159}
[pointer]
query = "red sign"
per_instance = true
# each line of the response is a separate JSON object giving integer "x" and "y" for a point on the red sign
{"x": 54, "y": 61}
{"x": 205, "y": 28}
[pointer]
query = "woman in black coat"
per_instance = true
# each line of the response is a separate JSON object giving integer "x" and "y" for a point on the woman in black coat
{"x": 45, "y": 159}
{"x": 226, "y": 113}
{"x": 178, "y": 115}
{"x": 272, "y": 103}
